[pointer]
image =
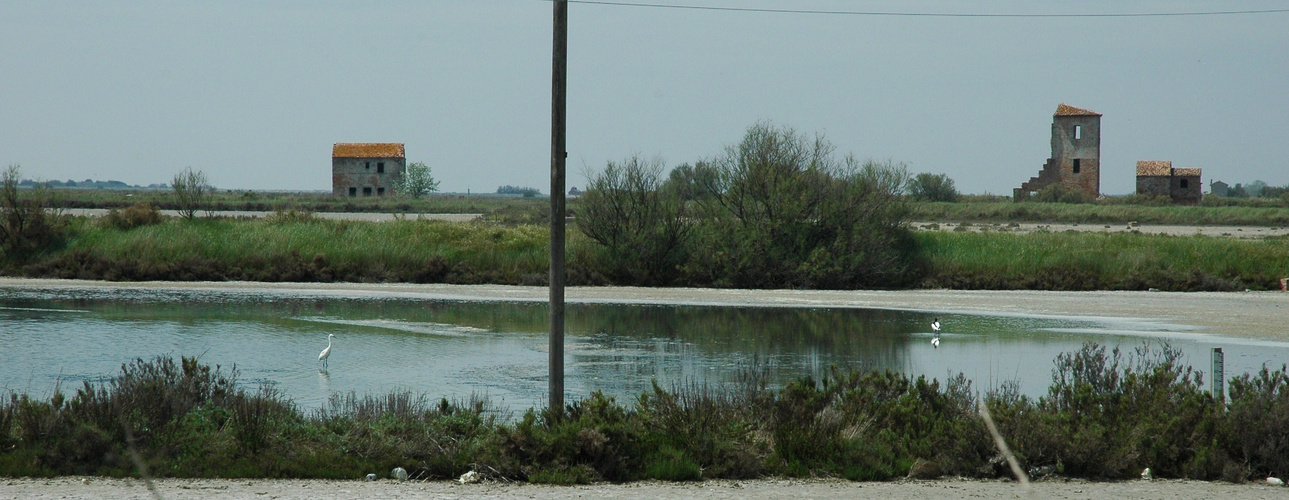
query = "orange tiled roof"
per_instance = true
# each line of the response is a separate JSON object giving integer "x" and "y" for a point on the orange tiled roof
{"x": 1067, "y": 110}
{"x": 367, "y": 150}
{"x": 1154, "y": 168}
{"x": 1186, "y": 172}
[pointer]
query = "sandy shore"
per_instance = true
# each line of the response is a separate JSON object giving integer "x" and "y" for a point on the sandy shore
{"x": 1260, "y": 315}
{"x": 212, "y": 489}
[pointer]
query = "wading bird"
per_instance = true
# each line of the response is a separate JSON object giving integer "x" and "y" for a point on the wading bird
{"x": 326, "y": 353}
{"x": 935, "y": 328}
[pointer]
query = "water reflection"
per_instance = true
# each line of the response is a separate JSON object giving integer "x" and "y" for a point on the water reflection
{"x": 456, "y": 349}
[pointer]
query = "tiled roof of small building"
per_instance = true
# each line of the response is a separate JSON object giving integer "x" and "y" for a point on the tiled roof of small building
{"x": 1186, "y": 172}
{"x": 1164, "y": 168}
{"x": 1067, "y": 110}
{"x": 367, "y": 150}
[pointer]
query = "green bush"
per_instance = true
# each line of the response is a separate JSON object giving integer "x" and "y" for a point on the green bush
{"x": 136, "y": 215}
{"x": 29, "y": 222}
{"x": 643, "y": 228}
{"x": 932, "y": 187}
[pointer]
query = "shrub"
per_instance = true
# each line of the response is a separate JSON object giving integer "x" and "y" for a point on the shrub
{"x": 1259, "y": 422}
{"x": 136, "y": 215}
{"x": 782, "y": 211}
{"x": 932, "y": 187}
{"x": 191, "y": 191}
{"x": 643, "y": 228}
{"x": 29, "y": 223}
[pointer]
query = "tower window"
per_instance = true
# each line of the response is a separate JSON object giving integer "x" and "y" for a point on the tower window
{"x": 1078, "y": 132}
{"x": 1076, "y": 165}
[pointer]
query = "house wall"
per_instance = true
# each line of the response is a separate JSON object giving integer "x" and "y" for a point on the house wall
{"x": 362, "y": 173}
{"x": 1191, "y": 194}
{"x": 1154, "y": 185}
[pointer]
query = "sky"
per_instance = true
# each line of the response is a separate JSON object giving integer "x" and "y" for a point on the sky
{"x": 254, "y": 93}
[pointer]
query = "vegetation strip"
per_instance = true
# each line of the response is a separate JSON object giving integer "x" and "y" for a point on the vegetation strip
{"x": 1105, "y": 415}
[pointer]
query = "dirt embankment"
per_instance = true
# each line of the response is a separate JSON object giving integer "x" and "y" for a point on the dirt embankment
{"x": 215, "y": 489}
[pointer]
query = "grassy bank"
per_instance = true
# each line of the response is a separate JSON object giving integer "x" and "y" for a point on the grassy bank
{"x": 298, "y": 247}
{"x": 1106, "y": 415}
{"x": 1088, "y": 213}
{"x": 1101, "y": 261}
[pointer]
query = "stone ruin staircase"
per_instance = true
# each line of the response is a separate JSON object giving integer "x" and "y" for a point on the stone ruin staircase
{"x": 1051, "y": 174}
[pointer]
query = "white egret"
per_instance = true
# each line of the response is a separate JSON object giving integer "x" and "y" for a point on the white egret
{"x": 326, "y": 353}
{"x": 935, "y": 328}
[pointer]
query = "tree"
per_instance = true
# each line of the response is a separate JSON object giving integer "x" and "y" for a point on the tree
{"x": 27, "y": 223}
{"x": 191, "y": 190}
{"x": 785, "y": 212}
{"x": 933, "y": 187}
{"x": 642, "y": 226}
{"x": 417, "y": 181}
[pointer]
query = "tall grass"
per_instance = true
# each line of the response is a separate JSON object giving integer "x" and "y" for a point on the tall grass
{"x": 295, "y": 246}
{"x": 1105, "y": 415}
{"x": 1093, "y": 261}
{"x": 302, "y": 248}
{"x": 1103, "y": 212}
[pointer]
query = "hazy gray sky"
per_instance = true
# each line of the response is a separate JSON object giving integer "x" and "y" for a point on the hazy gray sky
{"x": 255, "y": 92}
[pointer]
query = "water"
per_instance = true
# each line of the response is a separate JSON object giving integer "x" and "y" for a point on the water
{"x": 66, "y": 336}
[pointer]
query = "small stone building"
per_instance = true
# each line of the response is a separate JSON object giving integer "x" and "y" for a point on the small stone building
{"x": 1159, "y": 178}
{"x": 1076, "y": 154}
{"x": 1218, "y": 188}
{"x": 366, "y": 168}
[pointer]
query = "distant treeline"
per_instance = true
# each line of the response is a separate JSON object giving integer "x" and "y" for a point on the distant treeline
{"x": 525, "y": 191}
{"x": 88, "y": 184}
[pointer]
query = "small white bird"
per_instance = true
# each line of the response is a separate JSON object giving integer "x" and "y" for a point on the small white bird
{"x": 326, "y": 353}
{"x": 935, "y": 327}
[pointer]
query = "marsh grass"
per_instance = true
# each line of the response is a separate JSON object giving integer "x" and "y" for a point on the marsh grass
{"x": 300, "y": 247}
{"x": 1096, "y": 261}
{"x": 1106, "y": 415}
{"x": 293, "y": 246}
{"x": 1112, "y": 211}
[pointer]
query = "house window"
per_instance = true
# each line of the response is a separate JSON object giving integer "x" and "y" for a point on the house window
{"x": 1185, "y": 184}
{"x": 1076, "y": 165}
{"x": 366, "y": 190}
{"x": 380, "y": 167}
{"x": 367, "y": 166}
{"x": 380, "y": 191}
{"x": 353, "y": 191}
{"x": 1078, "y": 132}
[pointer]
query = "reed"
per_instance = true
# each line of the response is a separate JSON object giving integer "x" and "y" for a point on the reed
{"x": 1100, "y": 261}
{"x": 1250, "y": 214}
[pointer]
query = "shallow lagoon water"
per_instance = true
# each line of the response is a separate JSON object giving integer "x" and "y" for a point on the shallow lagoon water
{"x": 66, "y": 336}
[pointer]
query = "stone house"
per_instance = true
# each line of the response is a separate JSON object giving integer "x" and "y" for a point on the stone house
{"x": 1076, "y": 154}
{"x": 366, "y": 168}
{"x": 1159, "y": 178}
{"x": 1218, "y": 188}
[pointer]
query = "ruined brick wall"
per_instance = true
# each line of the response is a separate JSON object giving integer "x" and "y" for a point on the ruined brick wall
{"x": 1076, "y": 154}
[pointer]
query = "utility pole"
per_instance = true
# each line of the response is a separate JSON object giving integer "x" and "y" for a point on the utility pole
{"x": 559, "y": 91}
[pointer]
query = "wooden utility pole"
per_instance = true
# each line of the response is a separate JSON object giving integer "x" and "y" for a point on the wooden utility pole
{"x": 558, "y": 155}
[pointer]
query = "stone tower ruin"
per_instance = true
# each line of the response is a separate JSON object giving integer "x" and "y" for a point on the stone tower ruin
{"x": 1076, "y": 154}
